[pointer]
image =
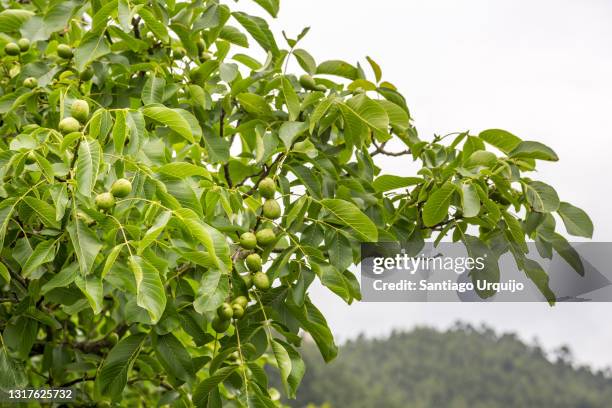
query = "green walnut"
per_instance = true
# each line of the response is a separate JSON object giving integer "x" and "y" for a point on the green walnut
{"x": 267, "y": 188}
{"x": 80, "y": 110}
{"x": 265, "y": 237}
{"x": 271, "y": 209}
{"x": 24, "y": 44}
{"x": 69, "y": 125}
{"x": 261, "y": 281}
{"x": 105, "y": 201}
{"x": 113, "y": 338}
{"x": 253, "y": 262}
{"x": 225, "y": 311}
{"x": 30, "y": 82}
{"x": 121, "y": 188}
{"x": 309, "y": 83}
{"x": 86, "y": 74}
{"x": 12, "y": 49}
{"x": 238, "y": 311}
{"x": 220, "y": 325}
{"x": 242, "y": 301}
{"x": 64, "y": 51}
{"x": 248, "y": 240}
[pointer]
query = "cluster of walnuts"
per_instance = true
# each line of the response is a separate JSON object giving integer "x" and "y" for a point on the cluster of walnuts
{"x": 253, "y": 244}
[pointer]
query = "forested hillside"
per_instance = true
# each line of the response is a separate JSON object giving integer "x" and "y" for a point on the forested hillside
{"x": 462, "y": 367}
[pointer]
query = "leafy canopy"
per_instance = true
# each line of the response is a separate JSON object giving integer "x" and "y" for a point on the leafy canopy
{"x": 133, "y": 139}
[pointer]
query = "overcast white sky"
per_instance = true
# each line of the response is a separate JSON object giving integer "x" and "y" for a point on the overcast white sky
{"x": 541, "y": 69}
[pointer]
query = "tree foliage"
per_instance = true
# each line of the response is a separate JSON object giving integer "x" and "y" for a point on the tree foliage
{"x": 457, "y": 368}
{"x": 146, "y": 154}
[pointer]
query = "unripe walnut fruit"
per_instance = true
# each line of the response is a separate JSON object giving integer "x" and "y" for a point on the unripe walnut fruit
{"x": 105, "y": 201}
{"x": 261, "y": 281}
{"x": 267, "y": 188}
{"x": 69, "y": 125}
{"x": 265, "y": 237}
{"x": 80, "y": 110}
{"x": 248, "y": 240}
{"x": 271, "y": 209}
{"x": 64, "y": 51}
{"x": 253, "y": 262}
{"x": 121, "y": 188}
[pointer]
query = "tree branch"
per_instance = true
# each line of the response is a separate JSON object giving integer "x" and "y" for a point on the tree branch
{"x": 380, "y": 149}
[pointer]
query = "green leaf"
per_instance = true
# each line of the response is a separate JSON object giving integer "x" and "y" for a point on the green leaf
{"x": 87, "y": 165}
{"x": 45, "y": 211}
{"x": 6, "y": 211}
{"x": 85, "y": 243}
{"x": 314, "y": 322}
{"x": 11, "y": 20}
{"x": 153, "y": 90}
{"x": 504, "y": 141}
{"x": 111, "y": 258}
{"x": 254, "y": 104}
{"x": 13, "y": 377}
{"x": 20, "y": 334}
{"x": 152, "y": 233}
{"x": 533, "y": 150}
{"x": 290, "y": 365}
{"x": 352, "y": 217}
{"x": 214, "y": 288}
{"x": 338, "y": 68}
{"x": 360, "y": 111}
{"x": 112, "y": 376}
{"x": 476, "y": 249}
{"x": 173, "y": 357}
{"x": 319, "y": 112}
{"x": 306, "y": 61}
{"x": 534, "y": 271}
{"x": 470, "y": 201}
{"x": 259, "y": 30}
{"x": 567, "y": 252}
{"x": 100, "y": 18}
{"x": 481, "y": 158}
{"x": 157, "y": 27}
{"x": 436, "y": 207}
{"x": 398, "y": 117}
{"x": 542, "y": 197}
{"x": 43, "y": 253}
{"x": 4, "y": 273}
{"x": 59, "y": 194}
{"x": 214, "y": 242}
{"x": 389, "y": 182}
{"x": 204, "y": 389}
{"x": 235, "y": 36}
{"x": 271, "y": 6}
{"x": 289, "y": 131}
{"x": 331, "y": 278}
{"x": 291, "y": 99}
{"x": 516, "y": 231}
{"x": 92, "y": 288}
{"x": 183, "y": 170}
{"x": 577, "y": 222}
{"x": 92, "y": 47}
{"x": 120, "y": 130}
{"x": 61, "y": 279}
{"x": 375, "y": 68}
{"x": 171, "y": 118}
{"x": 150, "y": 293}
